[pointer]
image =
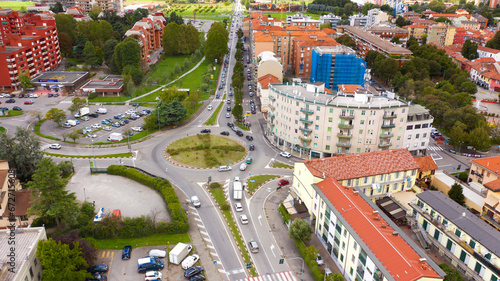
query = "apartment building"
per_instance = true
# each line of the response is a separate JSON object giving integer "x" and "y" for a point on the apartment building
{"x": 366, "y": 41}
{"x": 459, "y": 35}
{"x": 302, "y": 52}
{"x": 389, "y": 32}
{"x": 469, "y": 24}
{"x": 358, "y": 20}
{"x": 148, "y": 33}
{"x": 337, "y": 65}
{"x": 263, "y": 90}
{"x": 485, "y": 52}
{"x": 375, "y": 17}
{"x": 332, "y": 19}
{"x": 281, "y": 45}
{"x": 441, "y": 34}
{"x": 462, "y": 238}
{"x": 418, "y": 130}
{"x": 308, "y": 120}
{"x": 302, "y": 20}
{"x": 86, "y": 5}
{"x": 416, "y": 31}
{"x": 28, "y": 44}
{"x": 27, "y": 265}
{"x": 364, "y": 243}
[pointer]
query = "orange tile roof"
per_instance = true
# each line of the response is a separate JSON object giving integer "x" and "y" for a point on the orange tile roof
{"x": 459, "y": 29}
{"x": 395, "y": 254}
{"x": 428, "y": 12}
{"x": 349, "y": 88}
{"x": 493, "y": 185}
{"x": 329, "y": 30}
{"x": 416, "y": 26}
{"x": 436, "y": 45}
{"x": 426, "y": 163}
{"x": 486, "y": 59}
{"x": 447, "y": 15}
{"x": 490, "y": 163}
{"x": 363, "y": 164}
{"x": 263, "y": 38}
{"x": 268, "y": 79}
{"x": 461, "y": 59}
{"x": 489, "y": 50}
{"x": 321, "y": 41}
{"x": 307, "y": 33}
{"x": 297, "y": 28}
{"x": 278, "y": 33}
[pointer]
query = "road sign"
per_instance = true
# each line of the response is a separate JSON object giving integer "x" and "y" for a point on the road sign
{"x": 249, "y": 264}
{"x": 282, "y": 261}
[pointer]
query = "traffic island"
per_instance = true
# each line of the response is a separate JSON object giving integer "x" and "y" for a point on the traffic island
{"x": 255, "y": 182}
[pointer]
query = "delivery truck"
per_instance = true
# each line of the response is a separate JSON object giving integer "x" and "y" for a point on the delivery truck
{"x": 237, "y": 189}
{"x": 83, "y": 111}
{"x": 179, "y": 252}
{"x": 115, "y": 137}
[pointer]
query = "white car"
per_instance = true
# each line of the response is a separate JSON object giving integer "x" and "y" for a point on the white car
{"x": 243, "y": 166}
{"x": 238, "y": 207}
{"x": 190, "y": 261}
{"x": 85, "y": 118}
{"x": 96, "y": 126}
{"x": 130, "y": 112}
{"x": 92, "y": 135}
{"x": 137, "y": 129}
{"x": 55, "y": 146}
{"x": 107, "y": 128}
{"x": 224, "y": 168}
{"x": 35, "y": 95}
{"x": 195, "y": 201}
{"x": 157, "y": 253}
{"x": 228, "y": 115}
{"x": 285, "y": 154}
{"x": 152, "y": 275}
{"x": 210, "y": 107}
{"x": 2, "y": 95}
{"x": 244, "y": 219}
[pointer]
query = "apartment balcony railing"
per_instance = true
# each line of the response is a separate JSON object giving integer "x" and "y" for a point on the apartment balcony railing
{"x": 347, "y": 136}
{"x": 383, "y": 145}
{"x": 344, "y": 144}
{"x": 308, "y": 111}
{"x": 346, "y": 116}
{"x": 389, "y": 125}
{"x": 386, "y": 135}
{"x": 346, "y": 126}
{"x": 272, "y": 98}
{"x": 12, "y": 65}
{"x": 390, "y": 116}
{"x": 305, "y": 129}
{"x": 306, "y": 120}
{"x": 304, "y": 138}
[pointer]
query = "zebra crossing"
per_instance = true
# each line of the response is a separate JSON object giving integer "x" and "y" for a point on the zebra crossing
{"x": 435, "y": 148}
{"x": 277, "y": 276}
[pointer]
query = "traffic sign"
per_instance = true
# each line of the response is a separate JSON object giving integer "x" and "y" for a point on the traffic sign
{"x": 282, "y": 261}
{"x": 249, "y": 264}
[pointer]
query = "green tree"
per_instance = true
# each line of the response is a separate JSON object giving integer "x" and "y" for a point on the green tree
{"x": 25, "y": 81}
{"x": 65, "y": 24}
{"x": 134, "y": 72}
{"x": 334, "y": 277}
{"x": 60, "y": 262}
{"x": 452, "y": 274}
{"x": 109, "y": 49}
{"x": 443, "y": 19}
{"x": 37, "y": 114}
{"x": 191, "y": 101}
{"x": 437, "y": 6}
{"x": 238, "y": 112}
{"x": 128, "y": 52}
{"x": 65, "y": 43}
{"x": 312, "y": 252}
{"x": 469, "y": 50}
{"x": 385, "y": 68}
{"x": 170, "y": 39}
{"x": 395, "y": 40}
{"x": 192, "y": 39}
{"x": 424, "y": 39}
{"x": 370, "y": 58}
{"x": 174, "y": 113}
{"x": 479, "y": 138}
{"x": 458, "y": 135}
{"x": 219, "y": 27}
{"x": 57, "y": 8}
{"x": 456, "y": 194}
{"x": 56, "y": 115}
{"x": 169, "y": 94}
{"x": 74, "y": 135}
{"x": 80, "y": 42}
{"x": 300, "y": 230}
{"x": 215, "y": 46}
{"x": 73, "y": 239}
{"x": 346, "y": 41}
{"x": 95, "y": 11}
{"x": 22, "y": 151}
{"x": 411, "y": 41}
{"x": 77, "y": 104}
{"x": 50, "y": 198}
{"x": 90, "y": 55}
{"x": 400, "y": 21}
{"x": 494, "y": 42}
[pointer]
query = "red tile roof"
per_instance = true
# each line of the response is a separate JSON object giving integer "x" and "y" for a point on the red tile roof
{"x": 349, "y": 88}
{"x": 493, "y": 185}
{"x": 329, "y": 30}
{"x": 395, "y": 254}
{"x": 416, "y": 26}
{"x": 297, "y": 28}
{"x": 426, "y": 163}
{"x": 489, "y": 50}
{"x": 490, "y": 163}
{"x": 363, "y": 164}
{"x": 313, "y": 42}
{"x": 268, "y": 79}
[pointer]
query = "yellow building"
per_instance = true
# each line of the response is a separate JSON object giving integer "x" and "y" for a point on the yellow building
{"x": 417, "y": 31}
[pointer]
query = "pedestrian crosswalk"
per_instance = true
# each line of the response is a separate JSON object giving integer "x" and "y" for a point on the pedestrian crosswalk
{"x": 279, "y": 276}
{"x": 435, "y": 148}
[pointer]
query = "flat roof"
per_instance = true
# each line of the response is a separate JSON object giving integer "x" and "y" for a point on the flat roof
{"x": 338, "y": 49}
{"x": 104, "y": 84}
{"x": 377, "y": 41}
{"x": 475, "y": 227}
{"x": 399, "y": 260}
{"x": 58, "y": 77}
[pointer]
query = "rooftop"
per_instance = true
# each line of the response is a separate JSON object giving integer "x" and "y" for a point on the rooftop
{"x": 268, "y": 79}
{"x": 490, "y": 163}
{"x": 104, "y": 84}
{"x": 397, "y": 257}
{"x": 339, "y": 49}
{"x": 479, "y": 230}
{"x": 489, "y": 50}
{"x": 493, "y": 185}
{"x": 377, "y": 41}
{"x": 382, "y": 28}
{"x": 360, "y": 165}
{"x": 58, "y": 77}
{"x": 426, "y": 163}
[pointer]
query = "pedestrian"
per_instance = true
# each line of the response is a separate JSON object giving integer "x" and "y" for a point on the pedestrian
{"x": 120, "y": 160}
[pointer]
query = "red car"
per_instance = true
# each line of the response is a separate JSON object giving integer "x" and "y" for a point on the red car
{"x": 28, "y": 102}
{"x": 283, "y": 182}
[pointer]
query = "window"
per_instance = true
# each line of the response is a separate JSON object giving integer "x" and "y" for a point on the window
{"x": 329, "y": 129}
{"x": 417, "y": 126}
{"x": 315, "y": 145}
{"x": 331, "y": 110}
{"x": 478, "y": 267}
{"x": 327, "y": 147}
{"x": 330, "y": 119}
{"x": 317, "y": 117}
{"x": 31, "y": 272}
{"x": 417, "y": 136}
{"x": 362, "y": 122}
{"x": 423, "y": 143}
{"x": 318, "y": 108}
{"x": 409, "y": 127}
{"x": 341, "y": 257}
{"x": 316, "y": 127}
{"x": 360, "y": 132}
{"x": 409, "y": 137}
{"x": 315, "y": 136}
{"x": 425, "y": 126}
{"x": 363, "y": 112}
{"x": 343, "y": 245}
{"x": 328, "y": 138}
{"x": 424, "y": 135}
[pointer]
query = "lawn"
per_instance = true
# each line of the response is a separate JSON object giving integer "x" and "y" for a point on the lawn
{"x": 277, "y": 164}
{"x": 193, "y": 80}
{"x": 15, "y": 5}
{"x": 255, "y": 181}
{"x": 278, "y": 14}
{"x": 124, "y": 155}
{"x": 121, "y": 98}
{"x": 202, "y": 10}
{"x": 153, "y": 240}
{"x": 199, "y": 151}
{"x": 213, "y": 118}
{"x": 13, "y": 113}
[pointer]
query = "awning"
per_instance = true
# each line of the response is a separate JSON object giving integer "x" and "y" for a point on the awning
{"x": 391, "y": 208}
{"x": 491, "y": 200}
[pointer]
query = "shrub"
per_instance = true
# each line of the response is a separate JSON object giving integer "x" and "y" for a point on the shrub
{"x": 215, "y": 185}
{"x": 225, "y": 207}
{"x": 92, "y": 96}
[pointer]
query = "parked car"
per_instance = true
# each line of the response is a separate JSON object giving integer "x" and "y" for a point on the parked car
{"x": 285, "y": 154}
{"x": 250, "y": 138}
{"x": 152, "y": 275}
{"x": 251, "y": 147}
{"x": 107, "y": 128}
{"x": 244, "y": 219}
{"x": 56, "y": 95}
{"x": 17, "y": 108}
{"x": 28, "y": 102}
{"x": 55, "y": 146}
{"x": 10, "y": 101}
{"x": 94, "y": 115}
{"x": 239, "y": 133}
{"x": 99, "y": 268}
{"x": 195, "y": 201}
{"x": 157, "y": 253}
{"x": 254, "y": 247}
{"x": 122, "y": 123}
{"x": 205, "y": 131}
{"x": 85, "y": 118}
{"x": 197, "y": 277}
{"x": 105, "y": 122}
{"x": 192, "y": 271}
{"x": 243, "y": 166}
{"x": 224, "y": 168}
{"x": 96, "y": 126}
{"x": 238, "y": 207}
{"x": 319, "y": 260}
{"x": 50, "y": 95}
{"x": 126, "y": 252}
{"x": 224, "y": 133}
{"x": 92, "y": 135}
{"x": 189, "y": 261}
{"x": 137, "y": 129}
{"x": 283, "y": 182}
{"x": 116, "y": 124}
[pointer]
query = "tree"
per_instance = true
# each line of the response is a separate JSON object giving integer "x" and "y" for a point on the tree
{"x": 452, "y": 274}
{"x": 238, "y": 112}
{"x": 334, "y": 277}
{"x": 60, "y": 262}
{"x": 134, "y": 72}
{"x": 346, "y": 41}
{"x": 219, "y": 27}
{"x": 456, "y": 194}
{"x": 385, "y": 68}
{"x": 215, "y": 46}
{"x": 77, "y": 104}
{"x": 400, "y": 21}
{"x": 169, "y": 94}
{"x": 56, "y": 115}
{"x": 424, "y": 39}
{"x": 411, "y": 41}
{"x": 22, "y": 151}
{"x": 437, "y": 6}
{"x": 96, "y": 9}
{"x": 479, "y": 138}
{"x": 128, "y": 52}
{"x": 469, "y": 50}
{"x": 170, "y": 37}
{"x": 65, "y": 43}
{"x": 395, "y": 40}
{"x": 443, "y": 19}
{"x": 57, "y": 8}
{"x": 325, "y": 25}
{"x": 73, "y": 239}
{"x": 90, "y": 55}
{"x": 370, "y": 57}
{"x": 108, "y": 51}
{"x": 74, "y": 135}
{"x": 37, "y": 114}
{"x": 494, "y": 42}
{"x": 25, "y": 81}
{"x": 80, "y": 42}
{"x": 174, "y": 113}
{"x": 50, "y": 199}
{"x": 458, "y": 136}
{"x": 312, "y": 252}
{"x": 300, "y": 230}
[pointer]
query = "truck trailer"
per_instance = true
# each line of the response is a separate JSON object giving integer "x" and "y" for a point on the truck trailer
{"x": 179, "y": 252}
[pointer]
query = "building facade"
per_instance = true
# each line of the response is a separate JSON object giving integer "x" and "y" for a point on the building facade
{"x": 389, "y": 32}
{"x": 313, "y": 123}
{"x": 375, "y": 17}
{"x": 28, "y": 44}
{"x": 337, "y": 65}
{"x": 149, "y": 33}
{"x": 302, "y": 52}
{"x": 418, "y": 130}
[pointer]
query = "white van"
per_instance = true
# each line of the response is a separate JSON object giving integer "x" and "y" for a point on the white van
{"x": 72, "y": 123}
{"x": 102, "y": 110}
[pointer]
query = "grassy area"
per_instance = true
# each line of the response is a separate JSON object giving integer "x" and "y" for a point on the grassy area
{"x": 167, "y": 65}
{"x": 241, "y": 126}
{"x": 213, "y": 118}
{"x": 206, "y": 151}
{"x": 218, "y": 194}
{"x": 202, "y": 10}
{"x": 37, "y": 131}
{"x": 153, "y": 240}
{"x": 193, "y": 80}
{"x": 15, "y": 5}
{"x": 122, "y": 155}
{"x": 2, "y": 129}
{"x": 255, "y": 181}
{"x": 132, "y": 138}
{"x": 277, "y": 164}
{"x": 316, "y": 271}
{"x": 13, "y": 112}
{"x": 278, "y": 14}
{"x": 284, "y": 213}
{"x": 111, "y": 99}
{"x": 75, "y": 60}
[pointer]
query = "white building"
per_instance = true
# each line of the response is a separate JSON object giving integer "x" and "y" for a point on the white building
{"x": 302, "y": 20}
{"x": 418, "y": 130}
{"x": 27, "y": 265}
{"x": 485, "y": 52}
{"x": 375, "y": 17}
{"x": 358, "y": 20}
{"x": 332, "y": 19}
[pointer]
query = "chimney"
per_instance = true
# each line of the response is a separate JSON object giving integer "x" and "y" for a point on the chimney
{"x": 375, "y": 212}
{"x": 356, "y": 192}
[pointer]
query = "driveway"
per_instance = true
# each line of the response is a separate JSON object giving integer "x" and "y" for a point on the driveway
{"x": 115, "y": 192}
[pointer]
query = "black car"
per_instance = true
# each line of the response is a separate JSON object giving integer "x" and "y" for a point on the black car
{"x": 228, "y": 108}
{"x": 17, "y": 108}
{"x": 251, "y": 147}
{"x": 230, "y": 125}
{"x": 21, "y": 96}
{"x": 224, "y": 133}
{"x": 198, "y": 277}
{"x": 56, "y": 95}
{"x": 135, "y": 104}
{"x": 50, "y": 95}
{"x": 126, "y": 121}
{"x": 205, "y": 131}
{"x": 239, "y": 133}
{"x": 95, "y": 115}
{"x": 99, "y": 268}
{"x": 192, "y": 271}
{"x": 250, "y": 138}
{"x": 10, "y": 101}
{"x": 122, "y": 123}
{"x": 126, "y": 252}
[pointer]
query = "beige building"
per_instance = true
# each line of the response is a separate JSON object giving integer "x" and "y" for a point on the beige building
{"x": 437, "y": 34}
{"x": 418, "y": 130}
{"x": 306, "y": 119}
{"x": 22, "y": 200}
{"x": 27, "y": 265}
{"x": 268, "y": 63}
{"x": 109, "y": 5}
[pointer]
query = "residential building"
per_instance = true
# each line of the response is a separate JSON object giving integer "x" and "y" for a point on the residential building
{"x": 60, "y": 81}
{"x": 149, "y": 33}
{"x": 77, "y": 13}
{"x": 262, "y": 42}
{"x": 27, "y": 265}
{"x": 111, "y": 85}
{"x": 437, "y": 34}
{"x": 295, "y": 32}
{"x": 389, "y": 32}
{"x": 485, "y": 52}
{"x": 410, "y": 15}
{"x": 493, "y": 4}
{"x": 302, "y": 20}
{"x": 482, "y": 20}
{"x": 302, "y": 52}
{"x": 366, "y": 41}
{"x": 375, "y": 17}
{"x": 418, "y": 130}
{"x": 469, "y": 24}
{"x": 263, "y": 90}
{"x": 365, "y": 243}
{"x": 461, "y": 12}
{"x": 420, "y": 21}
{"x": 28, "y": 44}
{"x": 464, "y": 240}
{"x": 358, "y": 20}
{"x": 416, "y": 31}
{"x": 281, "y": 46}
{"x": 332, "y": 19}
{"x": 316, "y": 124}
{"x": 330, "y": 32}
{"x": 459, "y": 35}
{"x": 19, "y": 216}
{"x": 268, "y": 63}
{"x": 428, "y": 14}
{"x": 109, "y": 5}
{"x": 427, "y": 167}
{"x": 337, "y": 65}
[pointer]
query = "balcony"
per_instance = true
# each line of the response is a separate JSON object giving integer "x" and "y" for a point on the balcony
{"x": 344, "y": 144}
{"x": 13, "y": 78}
{"x": 272, "y": 98}
{"x": 13, "y": 65}
{"x": 271, "y": 107}
{"x": 345, "y": 126}
{"x": 388, "y": 125}
{"x": 44, "y": 47}
{"x": 384, "y": 145}
{"x": 305, "y": 120}
{"x": 31, "y": 64}
{"x": 345, "y": 116}
{"x": 31, "y": 70}
{"x": 305, "y": 110}
{"x": 390, "y": 116}
{"x": 10, "y": 60}
{"x": 304, "y": 138}
{"x": 47, "y": 63}
{"x": 386, "y": 135}
{"x": 347, "y": 136}
{"x": 305, "y": 129}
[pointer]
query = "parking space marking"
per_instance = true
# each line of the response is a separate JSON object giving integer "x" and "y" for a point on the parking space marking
{"x": 200, "y": 225}
{"x": 214, "y": 254}
{"x": 210, "y": 246}
{"x": 204, "y": 232}
{"x": 192, "y": 208}
{"x": 197, "y": 219}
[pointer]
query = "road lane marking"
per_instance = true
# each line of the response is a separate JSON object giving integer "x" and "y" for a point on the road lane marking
{"x": 235, "y": 271}
{"x": 272, "y": 250}
{"x": 260, "y": 217}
